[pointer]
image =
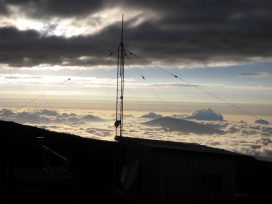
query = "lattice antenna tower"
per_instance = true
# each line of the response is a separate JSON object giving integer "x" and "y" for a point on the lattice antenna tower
{"x": 119, "y": 116}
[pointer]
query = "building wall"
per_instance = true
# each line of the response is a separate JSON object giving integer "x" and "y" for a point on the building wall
{"x": 175, "y": 177}
{"x": 194, "y": 178}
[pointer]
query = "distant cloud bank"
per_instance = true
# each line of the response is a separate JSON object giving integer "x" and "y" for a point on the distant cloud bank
{"x": 206, "y": 114}
{"x": 205, "y": 127}
{"x": 256, "y": 74}
{"x": 261, "y": 121}
{"x": 151, "y": 115}
{"x": 45, "y": 116}
{"x": 184, "y": 126}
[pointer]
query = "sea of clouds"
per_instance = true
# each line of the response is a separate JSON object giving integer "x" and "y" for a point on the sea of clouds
{"x": 242, "y": 137}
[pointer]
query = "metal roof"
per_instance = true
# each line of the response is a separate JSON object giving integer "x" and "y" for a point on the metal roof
{"x": 176, "y": 146}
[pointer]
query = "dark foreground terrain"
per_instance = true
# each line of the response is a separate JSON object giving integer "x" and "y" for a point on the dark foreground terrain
{"x": 40, "y": 166}
{"x": 90, "y": 167}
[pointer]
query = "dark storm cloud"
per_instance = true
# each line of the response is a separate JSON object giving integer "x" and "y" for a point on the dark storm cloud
{"x": 29, "y": 48}
{"x": 186, "y": 31}
{"x": 3, "y": 10}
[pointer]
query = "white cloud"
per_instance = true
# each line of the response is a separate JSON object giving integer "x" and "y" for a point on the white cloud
{"x": 245, "y": 138}
{"x": 71, "y": 81}
{"x": 205, "y": 114}
{"x": 45, "y": 116}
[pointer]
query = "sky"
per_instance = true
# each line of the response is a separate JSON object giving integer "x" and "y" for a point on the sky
{"x": 55, "y": 71}
{"x": 53, "y": 52}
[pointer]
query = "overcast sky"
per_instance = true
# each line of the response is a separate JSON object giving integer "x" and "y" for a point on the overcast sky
{"x": 181, "y": 32}
{"x": 223, "y": 46}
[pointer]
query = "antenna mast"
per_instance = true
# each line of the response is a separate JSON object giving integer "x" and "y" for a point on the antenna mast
{"x": 120, "y": 85}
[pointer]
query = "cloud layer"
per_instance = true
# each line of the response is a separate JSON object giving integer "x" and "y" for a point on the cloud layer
{"x": 242, "y": 137}
{"x": 191, "y": 33}
{"x": 46, "y": 116}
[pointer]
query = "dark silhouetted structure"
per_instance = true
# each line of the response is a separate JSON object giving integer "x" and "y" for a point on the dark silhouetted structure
{"x": 127, "y": 170}
{"x": 120, "y": 85}
{"x": 165, "y": 171}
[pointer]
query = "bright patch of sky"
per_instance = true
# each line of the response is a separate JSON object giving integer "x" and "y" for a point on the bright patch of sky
{"x": 72, "y": 26}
